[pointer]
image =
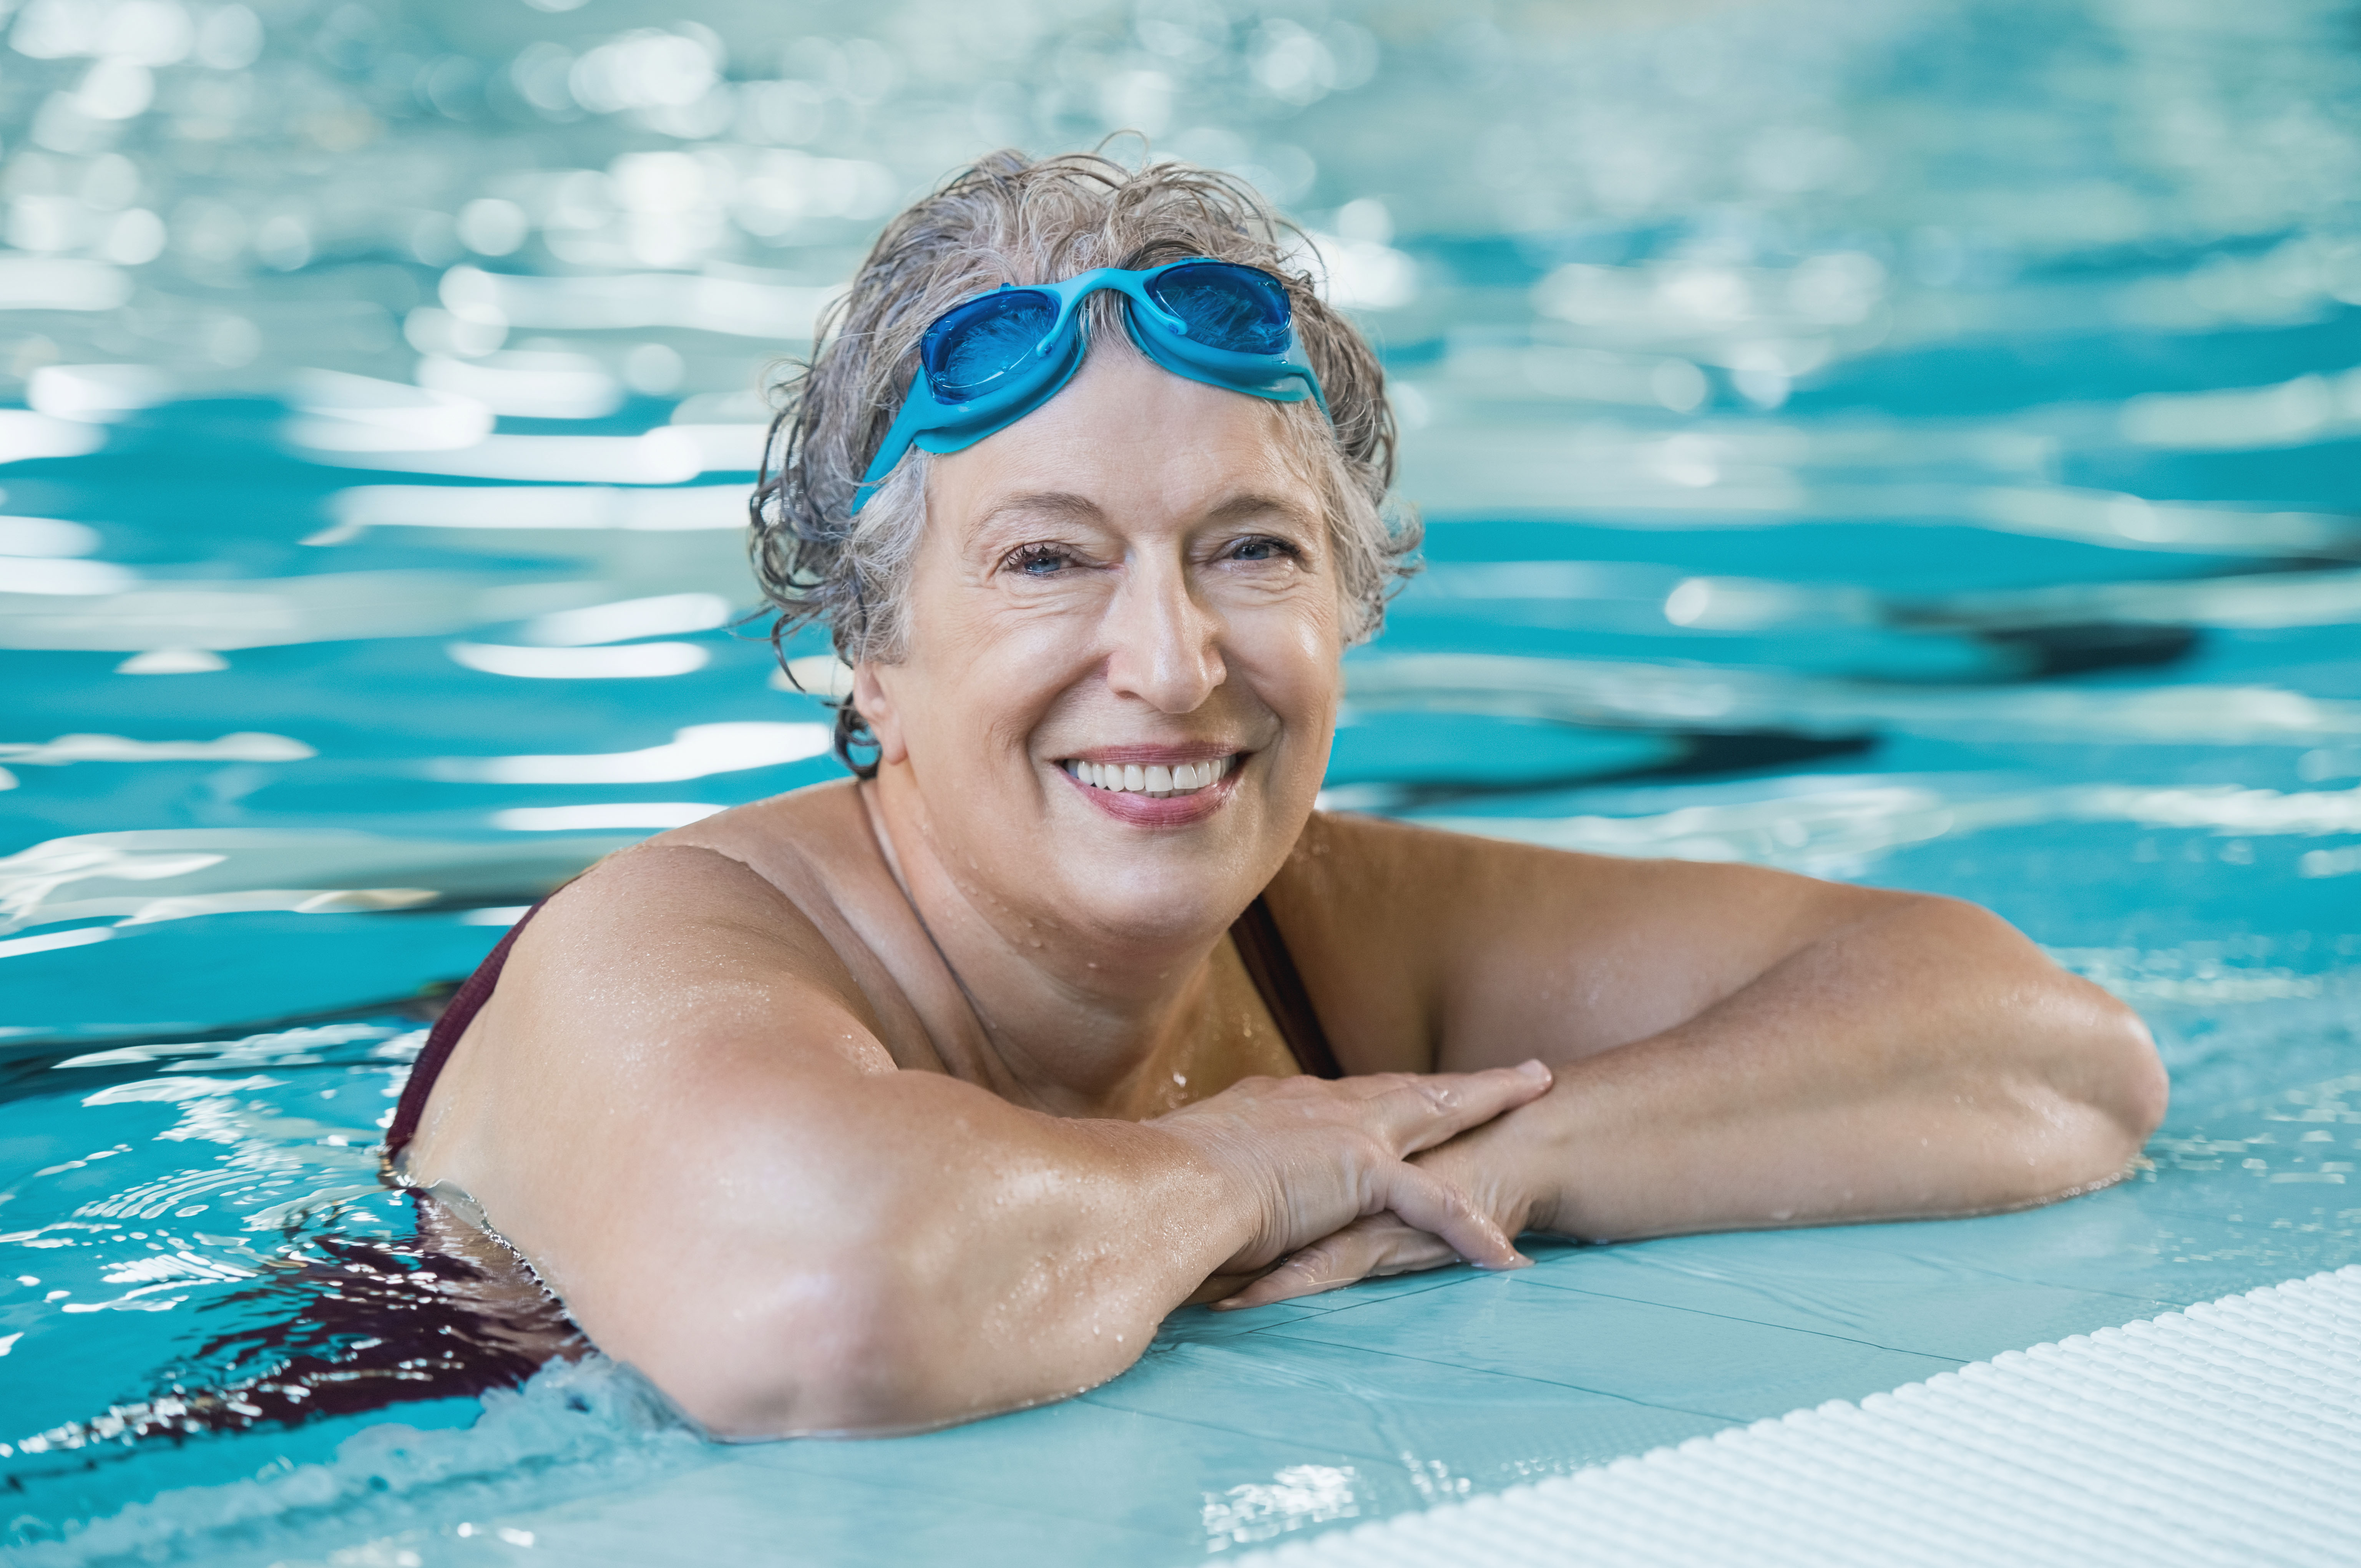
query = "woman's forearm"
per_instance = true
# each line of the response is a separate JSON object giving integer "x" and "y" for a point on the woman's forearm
{"x": 938, "y": 1255}
{"x": 1051, "y": 1272}
{"x": 1928, "y": 1061}
{"x": 922, "y": 1253}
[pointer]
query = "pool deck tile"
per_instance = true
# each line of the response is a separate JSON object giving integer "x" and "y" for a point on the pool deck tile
{"x": 1802, "y": 1280}
{"x": 749, "y": 1508}
{"x": 2171, "y": 1240}
{"x": 1493, "y": 1428}
{"x": 1671, "y": 1356}
{"x": 1089, "y": 1464}
{"x": 1228, "y": 1442}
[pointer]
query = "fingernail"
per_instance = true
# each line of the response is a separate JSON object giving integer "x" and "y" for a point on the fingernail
{"x": 1227, "y": 1304}
{"x": 1534, "y": 1068}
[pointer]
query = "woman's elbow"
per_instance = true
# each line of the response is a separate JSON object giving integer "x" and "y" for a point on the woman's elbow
{"x": 2114, "y": 1086}
{"x": 2128, "y": 1080}
{"x": 2145, "y": 1089}
{"x": 826, "y": 1350}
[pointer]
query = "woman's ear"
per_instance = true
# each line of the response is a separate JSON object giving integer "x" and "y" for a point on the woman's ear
{"x": 875, "y": 706}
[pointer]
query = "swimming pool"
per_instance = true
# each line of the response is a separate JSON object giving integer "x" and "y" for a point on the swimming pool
{"x": 1906, "y": 442}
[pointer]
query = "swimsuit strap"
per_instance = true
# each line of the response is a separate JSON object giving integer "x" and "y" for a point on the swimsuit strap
{"x": 1272, "y": 969}
{"x": 1261, "y": 949}
{"x": 457, "y": 1016}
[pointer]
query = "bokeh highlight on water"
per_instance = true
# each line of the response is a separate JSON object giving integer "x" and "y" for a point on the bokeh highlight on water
{"x": 1902, "y": 441}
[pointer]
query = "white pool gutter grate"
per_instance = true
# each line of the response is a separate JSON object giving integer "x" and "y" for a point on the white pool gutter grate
{"x": 2230, "y": 1432}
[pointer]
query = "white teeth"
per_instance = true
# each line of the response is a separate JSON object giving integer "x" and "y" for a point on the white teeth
{"x": 1159, "y": 782}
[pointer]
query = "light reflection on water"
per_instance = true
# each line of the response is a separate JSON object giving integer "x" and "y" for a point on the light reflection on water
{"x": 1889, "y": 441}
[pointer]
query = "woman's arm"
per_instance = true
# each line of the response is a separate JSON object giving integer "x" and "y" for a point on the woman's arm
{"x": 1737, "y": 1049}
{"x": 678, "y": 1107}
{"x": 1919, "y": 1058}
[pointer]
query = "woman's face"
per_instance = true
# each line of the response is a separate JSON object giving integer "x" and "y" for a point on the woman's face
{"x": 1131, "y": 586}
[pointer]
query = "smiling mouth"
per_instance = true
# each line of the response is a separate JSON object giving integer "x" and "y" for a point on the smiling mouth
{"x": 1155, "y": 782}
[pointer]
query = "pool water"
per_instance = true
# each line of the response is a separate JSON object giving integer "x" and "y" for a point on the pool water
{"x": 1906, "y": 442}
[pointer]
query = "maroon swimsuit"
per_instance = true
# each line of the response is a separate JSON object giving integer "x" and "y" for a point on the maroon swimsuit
{"x": 1260, "y": 948}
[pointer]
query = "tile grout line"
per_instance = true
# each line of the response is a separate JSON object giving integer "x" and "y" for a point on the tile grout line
{"x": 1788, "y": 1328}
{"x": 1544, "y": 1382}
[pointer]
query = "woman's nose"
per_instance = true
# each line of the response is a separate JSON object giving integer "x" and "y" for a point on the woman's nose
{"x": 1165, "y": 645}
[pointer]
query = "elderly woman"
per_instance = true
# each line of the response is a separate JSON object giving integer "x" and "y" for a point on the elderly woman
{"x": 927, "y": 1094}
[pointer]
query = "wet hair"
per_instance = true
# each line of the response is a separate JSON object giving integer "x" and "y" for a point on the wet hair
{"x": 1013, "y": 219}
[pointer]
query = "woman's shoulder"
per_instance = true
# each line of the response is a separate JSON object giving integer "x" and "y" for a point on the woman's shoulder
{"x": 686, "y": 936}
{"x": 807, "y": 837}
{"x": 807, "y": 853}
{"x": 1341, "y": 855}
{"x": 1410, "y": 910}
{"x": 773, "y": 882}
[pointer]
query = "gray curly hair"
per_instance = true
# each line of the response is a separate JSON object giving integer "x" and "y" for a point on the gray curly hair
{"x": 1012, "y": 219}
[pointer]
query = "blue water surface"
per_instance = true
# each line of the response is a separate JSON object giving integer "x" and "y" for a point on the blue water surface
{"x": 1904, "y": 442}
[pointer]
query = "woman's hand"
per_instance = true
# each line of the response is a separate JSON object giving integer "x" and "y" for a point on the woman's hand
{"x": 1313, "y": 1157}
{"x": 1474, "y": 1166}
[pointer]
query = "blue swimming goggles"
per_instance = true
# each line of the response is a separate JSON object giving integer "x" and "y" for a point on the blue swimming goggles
{"x": 990, "y": 361}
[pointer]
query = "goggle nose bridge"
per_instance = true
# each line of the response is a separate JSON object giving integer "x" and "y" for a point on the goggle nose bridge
{"x": 1135, "y": 294}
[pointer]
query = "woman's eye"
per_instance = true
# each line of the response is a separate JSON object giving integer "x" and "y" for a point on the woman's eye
{"x": 1262, "y": 547}
{"x": 1039, "y": 560}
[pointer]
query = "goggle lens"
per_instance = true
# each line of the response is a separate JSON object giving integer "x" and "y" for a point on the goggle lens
{"x": 987, "y": 363}
{"x": 1226, "y": 306}
{"x": 978, "y": 343}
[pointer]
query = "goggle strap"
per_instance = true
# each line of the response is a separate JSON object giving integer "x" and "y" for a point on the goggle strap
{"x": 916, "y": 406}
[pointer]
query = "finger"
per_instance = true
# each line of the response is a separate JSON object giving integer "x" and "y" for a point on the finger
{"x": 1365, "y": 1249}
{"x": 1441, "y": 1210}
{"x": 1324, "y": 1265}
{"x": 1219, "y": 1288}
{"x": 1435, "y": 1108}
